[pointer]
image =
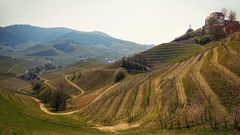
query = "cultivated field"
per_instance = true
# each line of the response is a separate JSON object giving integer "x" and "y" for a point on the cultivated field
{"x": 194, "y": 90}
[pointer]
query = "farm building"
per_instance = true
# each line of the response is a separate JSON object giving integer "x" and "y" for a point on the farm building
{"x": 217, "y": 20}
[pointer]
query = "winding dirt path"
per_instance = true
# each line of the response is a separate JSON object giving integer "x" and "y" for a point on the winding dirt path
{"x": 74, "y": 85}
{"x": 42, "y": 106}
{"x": 46, "y": 82}
{"x": 118, "y": 127}
{"x": 44, "y": 109}
{"x": 223, "y": 69}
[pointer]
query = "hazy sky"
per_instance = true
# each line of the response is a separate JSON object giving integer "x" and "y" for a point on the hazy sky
{"x": 142, "y": 21}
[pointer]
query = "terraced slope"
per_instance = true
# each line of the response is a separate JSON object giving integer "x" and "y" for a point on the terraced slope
{"x": 170, "y": 52}
{"x": 13, "y": 84}
{"x": 94, "y": 79}
{"x": 199, "y": 90}
{"x": 159, "y": 97}
{"x": 224, "y": 70}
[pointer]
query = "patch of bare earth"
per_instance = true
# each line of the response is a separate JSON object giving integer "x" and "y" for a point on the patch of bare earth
{"x": 118, "y": 127}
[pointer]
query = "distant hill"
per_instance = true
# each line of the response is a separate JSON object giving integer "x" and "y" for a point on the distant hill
{"x": 26, "y": 40}
{"x": 16, "y": 34}
{"x": 50, "y": 52}
{"x": 12, "y": 65}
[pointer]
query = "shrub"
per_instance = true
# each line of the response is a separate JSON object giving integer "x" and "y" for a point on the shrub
{"x": 120, "y": 74}
{"x": 202, "y": 40}
{"x": 37, "y": 88}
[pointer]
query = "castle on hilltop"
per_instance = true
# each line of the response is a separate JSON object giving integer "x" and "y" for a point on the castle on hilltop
{"x": 217, "y": 20}
{"x": 216, "y": 27}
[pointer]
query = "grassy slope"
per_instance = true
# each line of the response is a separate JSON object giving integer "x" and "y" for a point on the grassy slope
{"x": 88, "y": 64}
{"x": 192, "y": 131}
{"x": 74, "y": 68}
{"x": 18, "y": 65}
{"x": 170, "y": 52}
{"x": 196, "y": 99}
{"x": 8, "y": 63}
{"x": 13, "y": 83}
{"x": 94, "y": 79}
{"x": 132, "y": 99}
{"x": 230, "y": 61}
{"x": 235, "y": 45}
{"x": 21, "y": 115}
{"x": 126, "y": 104}
{"x": 139, "y": 102}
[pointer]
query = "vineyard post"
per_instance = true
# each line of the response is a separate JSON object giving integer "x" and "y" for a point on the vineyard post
{"x": 186, "y": 120}
{"x": 209, "y": 113}
{"x": 196, "y": 120}
{"x": 201, "y": 118}
{"x": 171, "y": 125}
{"x": 178, "y": 122}
{"x": 161, "y": 124}
{"x": 235, "y": 119}
{"x": 225, "y": 122}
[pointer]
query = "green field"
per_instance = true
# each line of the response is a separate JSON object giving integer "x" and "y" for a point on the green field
{"x": 22, "y": 116}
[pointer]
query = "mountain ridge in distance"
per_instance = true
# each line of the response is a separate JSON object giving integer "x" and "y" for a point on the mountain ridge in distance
{"x": 20, "y": 40}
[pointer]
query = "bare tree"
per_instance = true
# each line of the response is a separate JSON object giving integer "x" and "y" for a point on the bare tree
{"x": 45, "y": 95}
{"x": 232, "y": 16}
{"x": 58, "y": 99}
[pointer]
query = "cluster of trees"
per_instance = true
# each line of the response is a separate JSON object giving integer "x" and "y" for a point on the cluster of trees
{"x": 202, "y": 40}
{"x": 55, "y": 98}
{"x": 58, "y": 99}
{"x": 231, "y": 15}
{"x": 136, "y": 63}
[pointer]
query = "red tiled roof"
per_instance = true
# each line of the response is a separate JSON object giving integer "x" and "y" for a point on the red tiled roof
{"x": 219, "y": 13}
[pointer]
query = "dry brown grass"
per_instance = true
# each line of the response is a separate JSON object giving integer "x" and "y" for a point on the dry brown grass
{"x": 61, "y": 82}
{"x": 95, "y": 79}
{"x": 82, "y": 101}
{"x": 13, "y": 84}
